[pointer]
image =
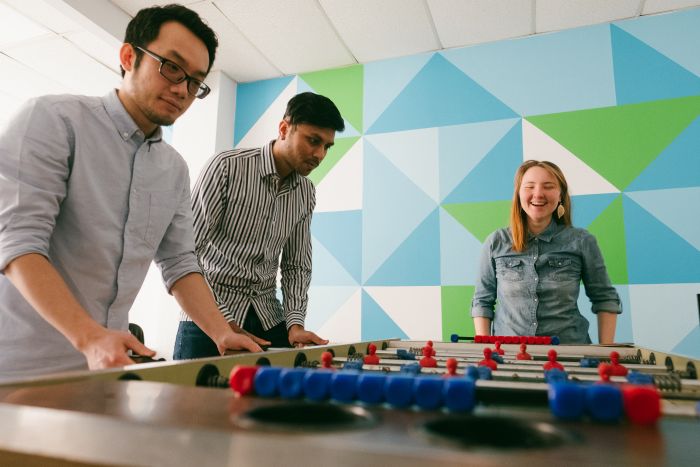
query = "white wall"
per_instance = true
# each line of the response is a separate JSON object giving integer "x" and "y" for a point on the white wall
{"x": 204, "y": 130}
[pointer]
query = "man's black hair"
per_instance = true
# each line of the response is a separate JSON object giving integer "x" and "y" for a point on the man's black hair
{"x": 145, "y": 27}
{"x": 314, "y": 109}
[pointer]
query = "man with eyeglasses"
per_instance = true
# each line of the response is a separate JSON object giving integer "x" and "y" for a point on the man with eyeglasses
{"x": 90, "y": 194}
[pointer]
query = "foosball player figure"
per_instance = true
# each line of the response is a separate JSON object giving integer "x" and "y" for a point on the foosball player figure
{"x": 617, "y": 369}
{"x": 552, "y": 361}
{"x": 488, "y": 361}
{"x": 428, "y": 361}
{"x": 605, "y": 371}
{"x": 451, "y": 365}
{"x": 371, "y": 358}
{"x": 523, "y": 355}
{"x": 327, "y": 360}
{"x": 499, "y": 350}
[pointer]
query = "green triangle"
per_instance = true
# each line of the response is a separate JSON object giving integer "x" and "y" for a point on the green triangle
{"x": 335, "y": 153}
{"x": 456, "y": 306}
{"x": 344, "y": 86}
{"x": 481, "y": 218}
{"x": 620, "y": 142}
{"x": 609, "y": 230}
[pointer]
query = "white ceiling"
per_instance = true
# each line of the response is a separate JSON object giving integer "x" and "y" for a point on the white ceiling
{"x": 54, "y": 46}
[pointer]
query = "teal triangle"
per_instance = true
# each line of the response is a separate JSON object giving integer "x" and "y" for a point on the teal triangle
{"x": 677, "y": 166}
{"x": 690, "y": 345}
{"x": 643, "y": 74}
{"x": 341, "y": 233}
{"x": 439, "y": 95}
{"x": 655, "y": 253}
{"x": 667, "y": 206}
{"x": 586, "y": 208}
{"x": 376, "y": 323}
{"x": 327, "y": 268}
{"x": 416, "y": 261}
{"x": 492, "y": 178}
{"x": 252, "y": 100}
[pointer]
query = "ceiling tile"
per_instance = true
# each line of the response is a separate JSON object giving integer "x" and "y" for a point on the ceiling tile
{"x": 466, "y": 22}
{"x": 96, "y": 48}
{"x": 59, "y": 60}
{"x": 23, "y": 83}
{"x": 294, "y": 35}
{"x": 15, "y": 27}
{"x": 657, "y": 6}
{"x": 554, "y": 15}
{"x": 236, "y": 56}
{"x": 375, "y": 30}
{"x": 44, "y": 13}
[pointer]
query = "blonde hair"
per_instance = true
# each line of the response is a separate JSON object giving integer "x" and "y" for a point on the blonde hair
{"x": 518, "y": 217}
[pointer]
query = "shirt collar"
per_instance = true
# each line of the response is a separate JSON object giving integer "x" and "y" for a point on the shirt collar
{"x": 267, "y": 167}
{"x": 547, "y": 234}
{"x": 123, "y": 122}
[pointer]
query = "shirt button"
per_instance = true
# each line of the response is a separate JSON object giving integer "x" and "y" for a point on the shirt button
{"x": 126, "y": 135}
{"x": 537, "y": 278}
{"x": 535, "y": 298}
{"x": 534, "y": 257}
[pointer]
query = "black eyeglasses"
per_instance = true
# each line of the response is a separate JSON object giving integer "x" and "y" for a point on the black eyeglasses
{"x": 175, "y": 74}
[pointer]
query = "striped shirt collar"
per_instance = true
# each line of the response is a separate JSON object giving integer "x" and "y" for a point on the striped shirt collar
{"x": 267, "y": 166}
{"x": 123, "y": 121}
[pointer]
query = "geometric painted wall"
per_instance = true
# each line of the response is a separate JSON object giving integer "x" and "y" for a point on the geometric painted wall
{"x": 423, "y": 173}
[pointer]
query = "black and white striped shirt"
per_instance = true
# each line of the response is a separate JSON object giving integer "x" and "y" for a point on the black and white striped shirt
{"x": 243, "y": 220}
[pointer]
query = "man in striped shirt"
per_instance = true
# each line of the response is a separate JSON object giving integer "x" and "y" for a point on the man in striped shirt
{"x": 252, "y": 216}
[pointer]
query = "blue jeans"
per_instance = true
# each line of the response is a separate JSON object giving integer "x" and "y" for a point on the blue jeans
{"x": 192, "y": 342}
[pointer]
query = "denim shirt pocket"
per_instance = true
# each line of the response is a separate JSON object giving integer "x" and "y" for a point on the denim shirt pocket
{"x": 510, "y": 269}
{"x": 564, "y": 269}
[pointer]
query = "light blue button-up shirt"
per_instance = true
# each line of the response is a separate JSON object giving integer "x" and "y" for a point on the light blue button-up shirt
{"x": 82, "y": 186}
{"x": 535, "y": 291}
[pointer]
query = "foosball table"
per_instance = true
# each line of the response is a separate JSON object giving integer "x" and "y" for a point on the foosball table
{"x": 387, "y": 402}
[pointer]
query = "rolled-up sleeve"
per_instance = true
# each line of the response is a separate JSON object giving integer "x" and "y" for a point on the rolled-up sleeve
{"x": 175, "y": 255}
{"x": 485, "y": 291}
{"x": 596, "y": 282}
{"x": 35, "y": 162}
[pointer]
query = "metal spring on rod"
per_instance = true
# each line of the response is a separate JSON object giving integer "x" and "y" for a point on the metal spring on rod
{"x": 668, "y": 382}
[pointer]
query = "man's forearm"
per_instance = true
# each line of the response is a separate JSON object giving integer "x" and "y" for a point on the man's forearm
{"x": 44, "y": 288}
{"x": 196, "y": 299}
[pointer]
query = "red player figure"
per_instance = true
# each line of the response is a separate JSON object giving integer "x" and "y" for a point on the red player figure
{"x": 372, "y": 358}
{"x": 428, "y": 361}
{"x": 451, "y": 365}
{"x": 487, "y": 361}
{"x": 327, "y": 360}
{"x": 499, "y": 350}
{"x": 552, "y": 363}
{"x": 617, "y": 369}
{"x": 604, "y": 370}
{"x": 432, "y": 350}
{"x": 523, "y": 355}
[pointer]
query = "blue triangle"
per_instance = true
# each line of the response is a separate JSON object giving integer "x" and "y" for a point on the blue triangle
{"x": 252, "y": 100}
{"x": 690, "y": 345}
{"x": 341, "y": 233}
{"x": 440, "y": 95}
{"x": 416, "y": 261}
{"x": 586, "y": 208}
{"x": 492, "y": 178}
{"x": 655, "y": 254}
{"x": 393, "y": 207}
{"x": 459, "y": 252}
{"x": 643, "y": 74}
{"x": 677, "y": 166}
{"x": 376, "y": 323}
{"x": 327, "y": 268}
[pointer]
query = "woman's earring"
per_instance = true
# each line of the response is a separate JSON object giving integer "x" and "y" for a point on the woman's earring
{"x": 561, "y": 210}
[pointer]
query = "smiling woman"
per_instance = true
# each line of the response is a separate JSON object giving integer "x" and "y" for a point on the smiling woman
{"x": 530, "y": 273}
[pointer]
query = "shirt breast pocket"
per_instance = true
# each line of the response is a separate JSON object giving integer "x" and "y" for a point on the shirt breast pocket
{"x": 161, "y": 210}
{"x": 510, "y": 269}
{"x": 564, "y": 269}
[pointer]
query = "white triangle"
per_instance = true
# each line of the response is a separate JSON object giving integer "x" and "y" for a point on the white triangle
{"x": 341, "y": 188}
{"x": 265, "y": 128}
{"x": 582, "y": 179}
{"x": 345, "y": 324}
{"x": 416, "y": 310}
{"x": 415, "y": 153}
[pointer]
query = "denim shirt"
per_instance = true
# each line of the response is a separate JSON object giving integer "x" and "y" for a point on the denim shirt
{"x": 536, "y": 291}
